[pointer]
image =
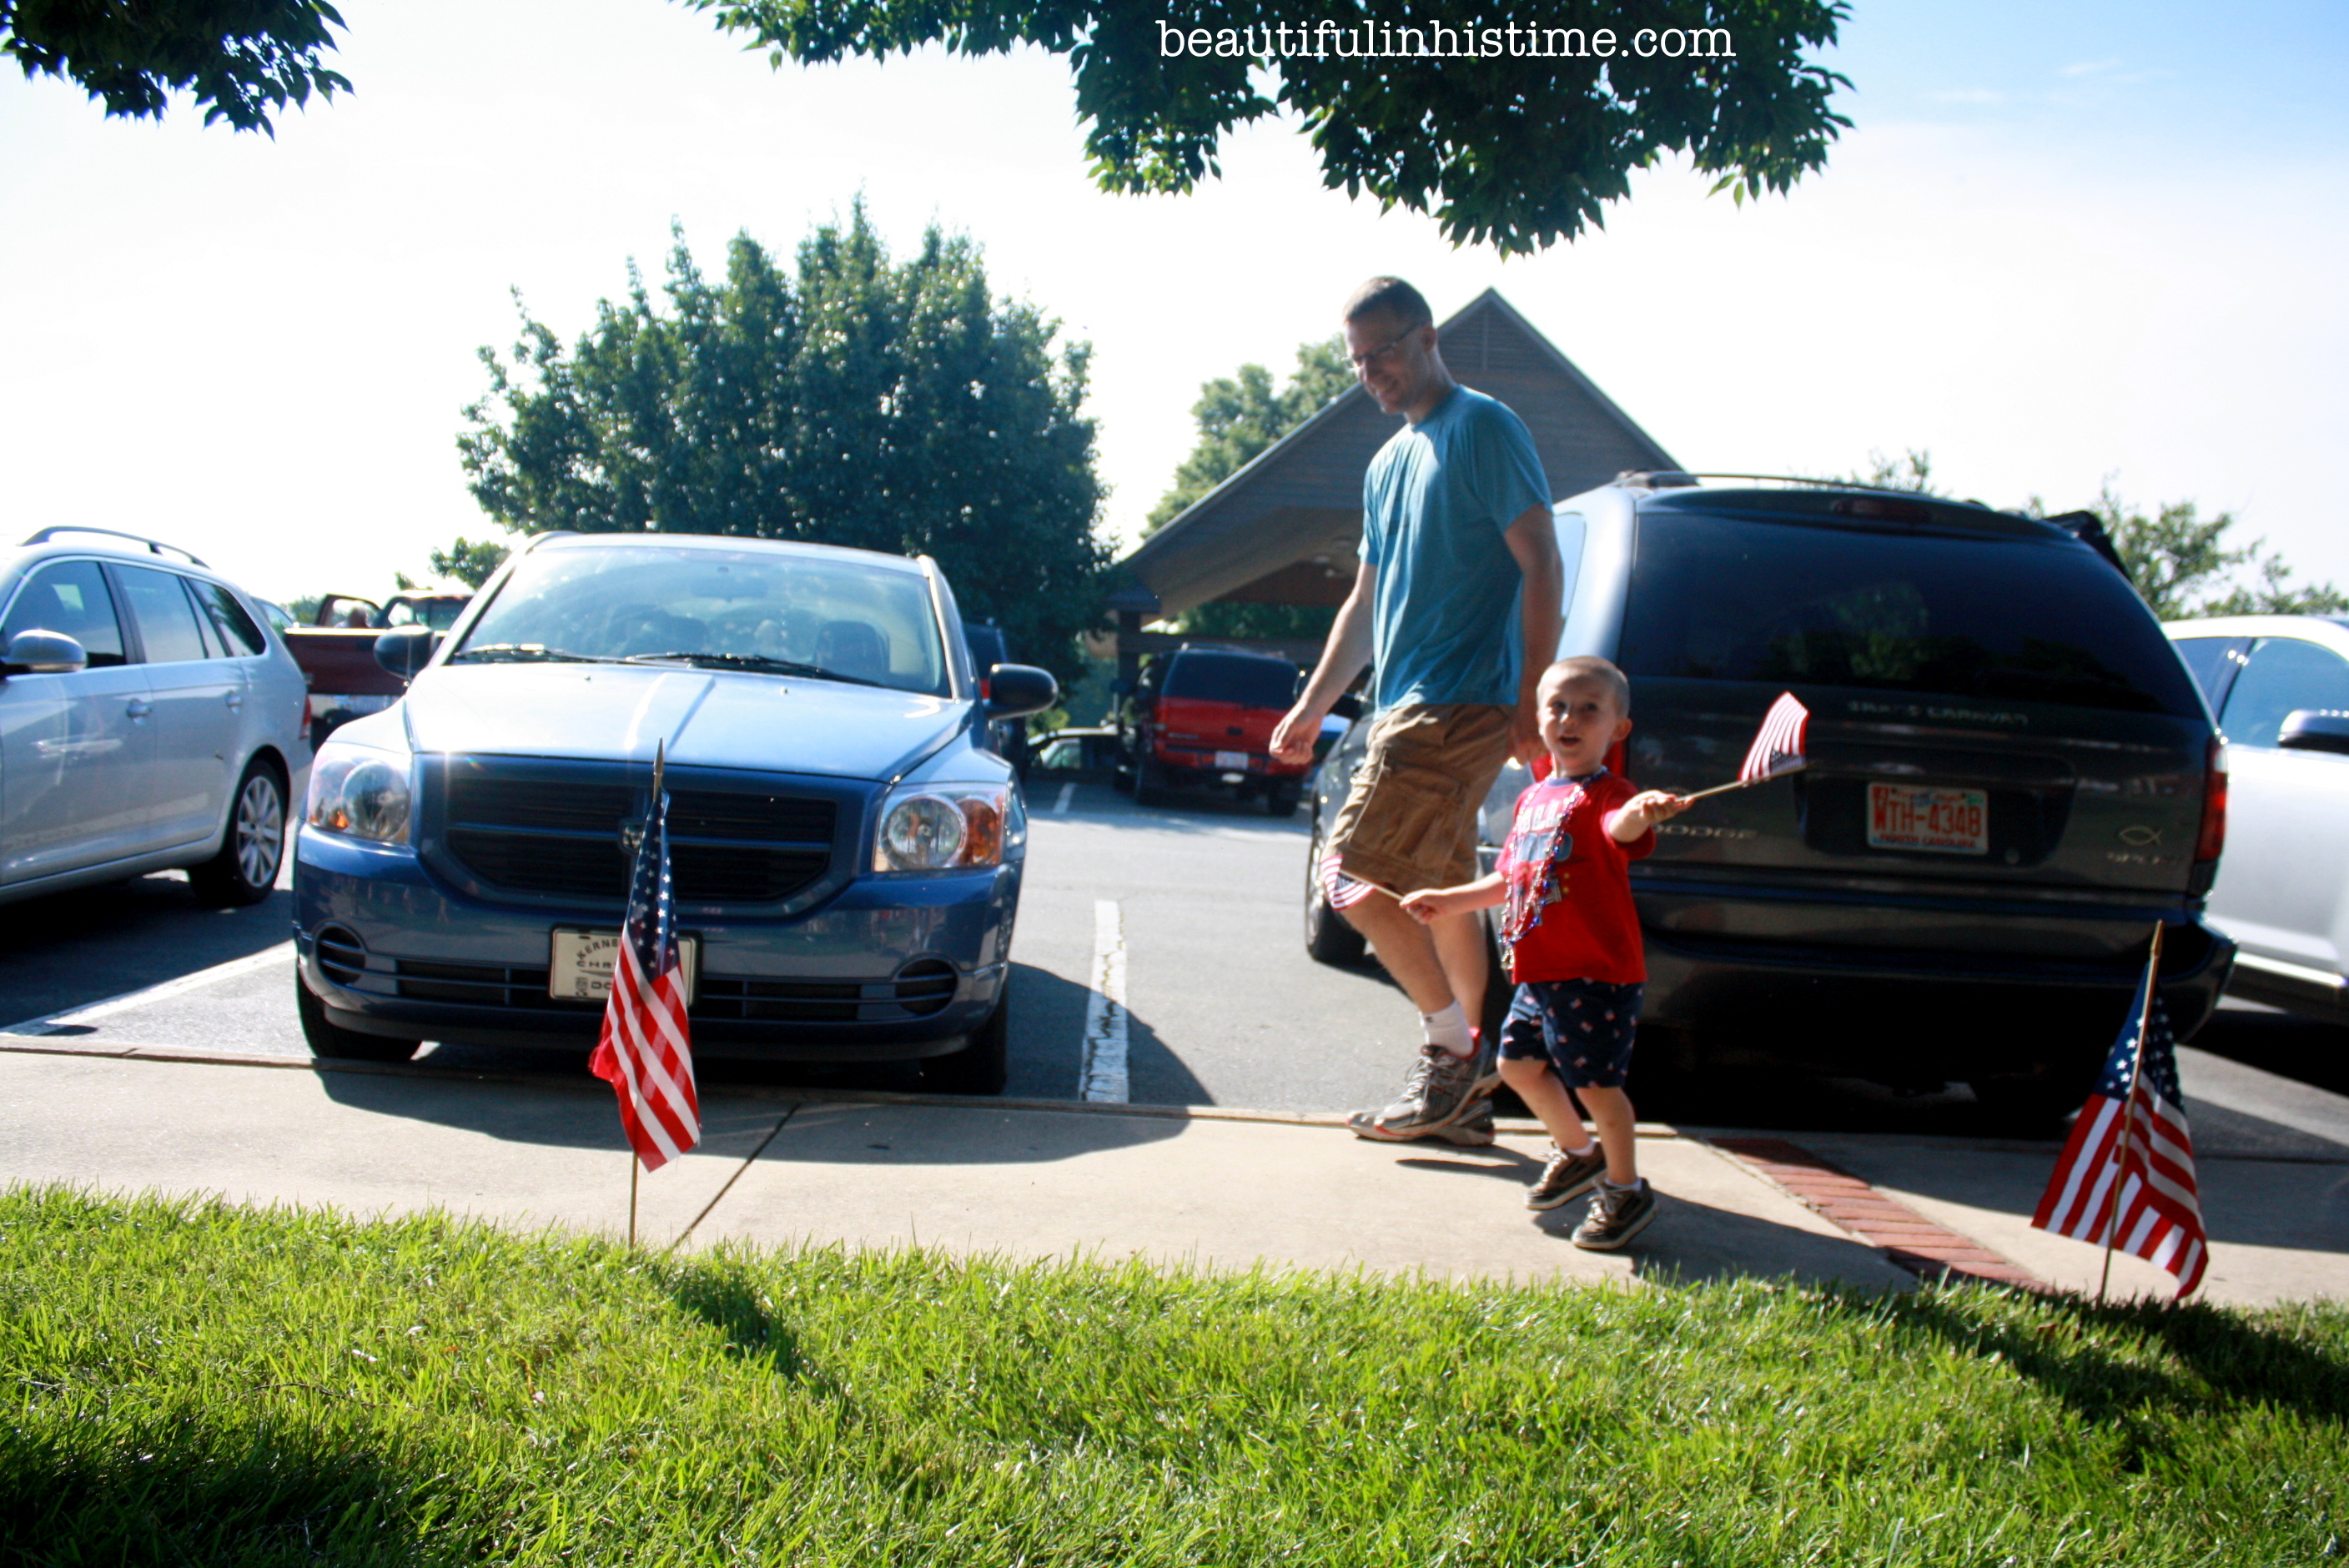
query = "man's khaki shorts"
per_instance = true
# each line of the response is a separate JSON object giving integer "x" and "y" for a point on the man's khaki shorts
{"x": 1410, "y": 820}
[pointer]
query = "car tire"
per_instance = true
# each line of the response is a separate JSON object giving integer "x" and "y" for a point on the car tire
{"x": 980, "y": 1067}
{"x": 1329, "y": 939}
{"x": 1149, "y": 783}
{"x": 254, "y": 847}
{"x": 1282, "y": 800}
{"x": 2035, "y": 1100}
{"x": 332, "y": 1042}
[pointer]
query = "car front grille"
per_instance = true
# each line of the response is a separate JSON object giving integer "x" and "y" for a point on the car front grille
{"x": 562, "y": 837}
{"x": 922, "y": 989}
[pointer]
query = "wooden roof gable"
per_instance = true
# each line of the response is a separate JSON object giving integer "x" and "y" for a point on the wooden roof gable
{"x": 1301, "y": 498}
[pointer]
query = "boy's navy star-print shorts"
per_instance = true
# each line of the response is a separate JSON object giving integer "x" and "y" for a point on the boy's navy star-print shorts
{"x": 1583, "y": 1026}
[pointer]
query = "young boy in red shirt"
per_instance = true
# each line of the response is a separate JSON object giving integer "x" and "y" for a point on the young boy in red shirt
{"x": 1573, "y": 939}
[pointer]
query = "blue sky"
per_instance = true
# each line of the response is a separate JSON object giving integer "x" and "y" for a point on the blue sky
{"x": 2059, "y": 246}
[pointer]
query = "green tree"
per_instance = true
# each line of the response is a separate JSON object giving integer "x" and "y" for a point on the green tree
{"x": 2182, "y": 566}
{"x": 1239, "y": 415}
{"x": 1518, "y": 143}
{"x": 469, "y": 561}
{"x": 2179, "y": 563}
{"x": 242, "y": 60}
{"x": 889, "y": 406}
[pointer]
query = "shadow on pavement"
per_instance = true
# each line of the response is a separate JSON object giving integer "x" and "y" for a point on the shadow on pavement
{"x": 72, "y": 949}
{"x": 1693, "y": 1242}
{"x": 2304, "y": 1049}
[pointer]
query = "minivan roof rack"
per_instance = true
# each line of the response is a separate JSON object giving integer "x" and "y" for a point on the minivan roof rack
{"x": 1675, "y": 479}
{"x": 154, "y": 545}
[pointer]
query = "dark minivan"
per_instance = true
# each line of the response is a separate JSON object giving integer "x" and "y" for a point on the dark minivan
{"x": 2011, "y": 780}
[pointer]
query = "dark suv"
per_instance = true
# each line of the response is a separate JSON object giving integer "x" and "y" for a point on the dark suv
{"x": 2012, "y": 778}
{"x": 1202, "y": 715}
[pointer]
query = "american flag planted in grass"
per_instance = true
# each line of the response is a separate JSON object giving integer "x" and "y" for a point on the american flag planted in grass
{"x": 2139, "y": 1160}
{"x": 647, "y": 1050}
{"x": 1778, "y": 749}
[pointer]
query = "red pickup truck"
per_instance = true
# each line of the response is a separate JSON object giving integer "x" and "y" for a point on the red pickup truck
{"x": 336, "y": 650}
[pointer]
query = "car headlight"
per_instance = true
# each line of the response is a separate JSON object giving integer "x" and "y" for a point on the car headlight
{"x": 360, "y": 792}
{"x": 947, "y": 826}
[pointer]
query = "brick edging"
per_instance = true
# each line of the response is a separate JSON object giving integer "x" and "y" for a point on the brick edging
{"x": 1925, "y": 1248}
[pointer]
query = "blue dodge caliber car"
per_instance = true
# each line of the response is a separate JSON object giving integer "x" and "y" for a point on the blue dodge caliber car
{"x": 846, "y": 847}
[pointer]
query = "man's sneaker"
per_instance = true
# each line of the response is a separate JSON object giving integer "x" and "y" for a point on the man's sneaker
{"x": 1566, "y": 1176}
{"x": 1437, "y": 1092}
{"x": 1616, "y": 1214}
{"x": 1471, "y": 1130}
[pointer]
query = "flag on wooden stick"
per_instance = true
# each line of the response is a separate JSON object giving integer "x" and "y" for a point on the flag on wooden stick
{"x": 2125, "y": 1179}
{"x": 645, "y": 1053}
{"x": 1778, "y": 749}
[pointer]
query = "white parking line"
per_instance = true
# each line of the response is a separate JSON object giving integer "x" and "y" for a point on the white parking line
{"x": 1101, "y": 1073}
{"x": 1061, "y": 806}
{"x": 268, "y": 957}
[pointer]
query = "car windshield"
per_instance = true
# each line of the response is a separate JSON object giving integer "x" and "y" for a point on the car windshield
{"x": 1232, "y": 678}
{"x": 2012, "y": 619}
{"x": 731, "y": 609}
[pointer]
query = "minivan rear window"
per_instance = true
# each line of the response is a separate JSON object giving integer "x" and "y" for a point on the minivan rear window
{"x": 1226, "y": 677}
{"x": 1726, "y": 598}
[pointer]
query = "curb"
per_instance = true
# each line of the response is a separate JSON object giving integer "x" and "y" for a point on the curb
{"x": 47, "y": 1045}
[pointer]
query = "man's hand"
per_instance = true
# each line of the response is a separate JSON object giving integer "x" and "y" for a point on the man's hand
{"x": 1524, "y": 731}
{"x": 1293, "y": 737}
{"x": 1643, "y": 812}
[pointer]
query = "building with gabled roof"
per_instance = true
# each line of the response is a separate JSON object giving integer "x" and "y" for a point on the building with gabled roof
{"x": 1285, "y": 528}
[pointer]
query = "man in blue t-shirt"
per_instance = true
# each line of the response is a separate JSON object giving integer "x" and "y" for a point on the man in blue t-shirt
{"x": 1456, "y": 603}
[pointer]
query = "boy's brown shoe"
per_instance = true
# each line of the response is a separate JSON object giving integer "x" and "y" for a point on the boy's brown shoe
{"x": 1616, "y": 1214}
{"x": 1566, "y": 1176}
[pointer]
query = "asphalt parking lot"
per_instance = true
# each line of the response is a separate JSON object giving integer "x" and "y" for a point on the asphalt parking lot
{"x": 1180, "y": 926}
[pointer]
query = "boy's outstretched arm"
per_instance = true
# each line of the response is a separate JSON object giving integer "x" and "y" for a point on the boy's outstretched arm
{"x": 1434, "y": 903}
{"x": 1643, "y": 812}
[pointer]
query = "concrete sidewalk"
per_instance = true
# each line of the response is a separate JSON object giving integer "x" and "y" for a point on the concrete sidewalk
{"x": 1206, "y": 1186}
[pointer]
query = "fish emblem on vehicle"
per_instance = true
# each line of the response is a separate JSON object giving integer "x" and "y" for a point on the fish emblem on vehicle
{"x": 2139, "y": 836}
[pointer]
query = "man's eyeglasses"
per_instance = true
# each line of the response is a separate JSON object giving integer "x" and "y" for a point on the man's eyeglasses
{"x": 1370, "y": 356}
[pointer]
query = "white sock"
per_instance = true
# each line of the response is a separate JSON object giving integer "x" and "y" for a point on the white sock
{"x": 1448, "y": 1029}
{"x": 1589, "y": 1148}
{"x": 1631, "y": 1186}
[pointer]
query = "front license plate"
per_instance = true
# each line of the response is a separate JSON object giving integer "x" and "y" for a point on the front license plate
{"x": 1236, "y": 759}
{"x": 579, "y": 966}
{"x": 1925, "y": 817}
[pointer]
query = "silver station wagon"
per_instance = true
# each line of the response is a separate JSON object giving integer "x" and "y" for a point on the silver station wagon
{"x": 149, "y": 720}
{"x": 846, "y": 842}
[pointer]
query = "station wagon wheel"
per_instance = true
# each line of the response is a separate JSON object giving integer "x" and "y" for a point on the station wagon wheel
{"x": 253, "y": 848}
{"x": 1281, "y": 799}
{"x": 329, "y": 1040}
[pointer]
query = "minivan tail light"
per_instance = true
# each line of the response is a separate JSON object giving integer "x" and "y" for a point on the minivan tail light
{"x": 2213, "y": 835}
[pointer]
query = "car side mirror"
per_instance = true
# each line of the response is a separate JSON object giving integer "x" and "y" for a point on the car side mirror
{"x": 1014, "y": 690}
{"x": 406, "y": 650}
{"x": 2305, "y": 728}
{"x": 40, "y": 653}
{"x": 1348, "y": 706}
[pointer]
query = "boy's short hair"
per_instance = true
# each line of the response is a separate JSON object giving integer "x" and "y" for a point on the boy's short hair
{"x": 1392, "y": 296}
{"x": 1619, "y": 684}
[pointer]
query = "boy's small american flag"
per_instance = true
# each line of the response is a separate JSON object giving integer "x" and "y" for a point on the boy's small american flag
{"x": 1779, "y": 747}
{"x": 2142, "y": 1162}
{"x": 647, "y": 1050}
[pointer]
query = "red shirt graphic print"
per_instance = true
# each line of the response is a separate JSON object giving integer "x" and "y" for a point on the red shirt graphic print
{"x": 1567, "y": 913}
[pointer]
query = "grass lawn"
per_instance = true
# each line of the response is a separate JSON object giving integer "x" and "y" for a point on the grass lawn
{"x": 206, "y": 1384}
